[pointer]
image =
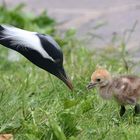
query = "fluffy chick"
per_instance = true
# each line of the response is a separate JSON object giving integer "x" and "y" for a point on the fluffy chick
{"x": 124, "y": 89}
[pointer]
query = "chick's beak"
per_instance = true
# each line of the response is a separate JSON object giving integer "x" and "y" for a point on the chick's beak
{"x": 91, "y": 85}
{"x": 62, "y": 76}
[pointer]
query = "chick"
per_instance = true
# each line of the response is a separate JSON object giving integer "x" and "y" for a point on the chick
{"x": 124, "y": 89}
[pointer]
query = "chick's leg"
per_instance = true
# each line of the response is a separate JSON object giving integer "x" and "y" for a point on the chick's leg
{"x": 137, "y": 109}
{"x": 122, "y": 110}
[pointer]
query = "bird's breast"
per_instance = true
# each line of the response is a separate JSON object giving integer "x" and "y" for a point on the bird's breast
{"x": 106, "y": 92}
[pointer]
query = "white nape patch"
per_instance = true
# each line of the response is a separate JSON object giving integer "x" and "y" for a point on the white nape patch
{"x": 24, "y": 38}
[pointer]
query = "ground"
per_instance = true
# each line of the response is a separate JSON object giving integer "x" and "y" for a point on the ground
{"x": 35, "y": 105}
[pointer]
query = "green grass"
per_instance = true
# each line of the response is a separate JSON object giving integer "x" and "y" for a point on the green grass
{"x": 37, "y": 106}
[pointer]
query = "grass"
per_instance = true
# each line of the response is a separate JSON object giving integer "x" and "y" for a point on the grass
{"x": 36, "y": 106}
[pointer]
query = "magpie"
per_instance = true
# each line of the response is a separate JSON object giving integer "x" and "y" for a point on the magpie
{"x": 42, "y": 50}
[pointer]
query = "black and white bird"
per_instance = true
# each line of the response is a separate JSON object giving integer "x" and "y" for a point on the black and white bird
{"x": 42, "y": 50}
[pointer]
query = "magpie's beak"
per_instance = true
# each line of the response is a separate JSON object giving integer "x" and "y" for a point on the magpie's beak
{"x": 91, "y": 85}
{"x": 62, "y": 76}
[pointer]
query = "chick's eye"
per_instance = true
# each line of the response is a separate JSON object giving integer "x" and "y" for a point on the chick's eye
{"x": 98, "y": 79}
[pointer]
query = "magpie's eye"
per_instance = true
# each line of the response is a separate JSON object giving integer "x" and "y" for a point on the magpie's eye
{"x": 98, "y": 79}
{"x": 58, "y": 61}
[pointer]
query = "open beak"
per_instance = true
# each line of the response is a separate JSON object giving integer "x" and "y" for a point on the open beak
{"x": 62, "y": 76}
{"x": 91, "y": 85}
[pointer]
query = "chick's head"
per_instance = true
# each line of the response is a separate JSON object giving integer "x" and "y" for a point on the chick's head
{"x": 100, "y": 77}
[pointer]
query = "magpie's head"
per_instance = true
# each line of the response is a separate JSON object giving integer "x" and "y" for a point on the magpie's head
{"x": 56, "y": 68}
{"x": 54, "y": 61}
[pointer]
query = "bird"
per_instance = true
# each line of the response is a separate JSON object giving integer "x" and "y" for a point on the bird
{"x": 124, "y": 89}
{"x": 42, "y": 50}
